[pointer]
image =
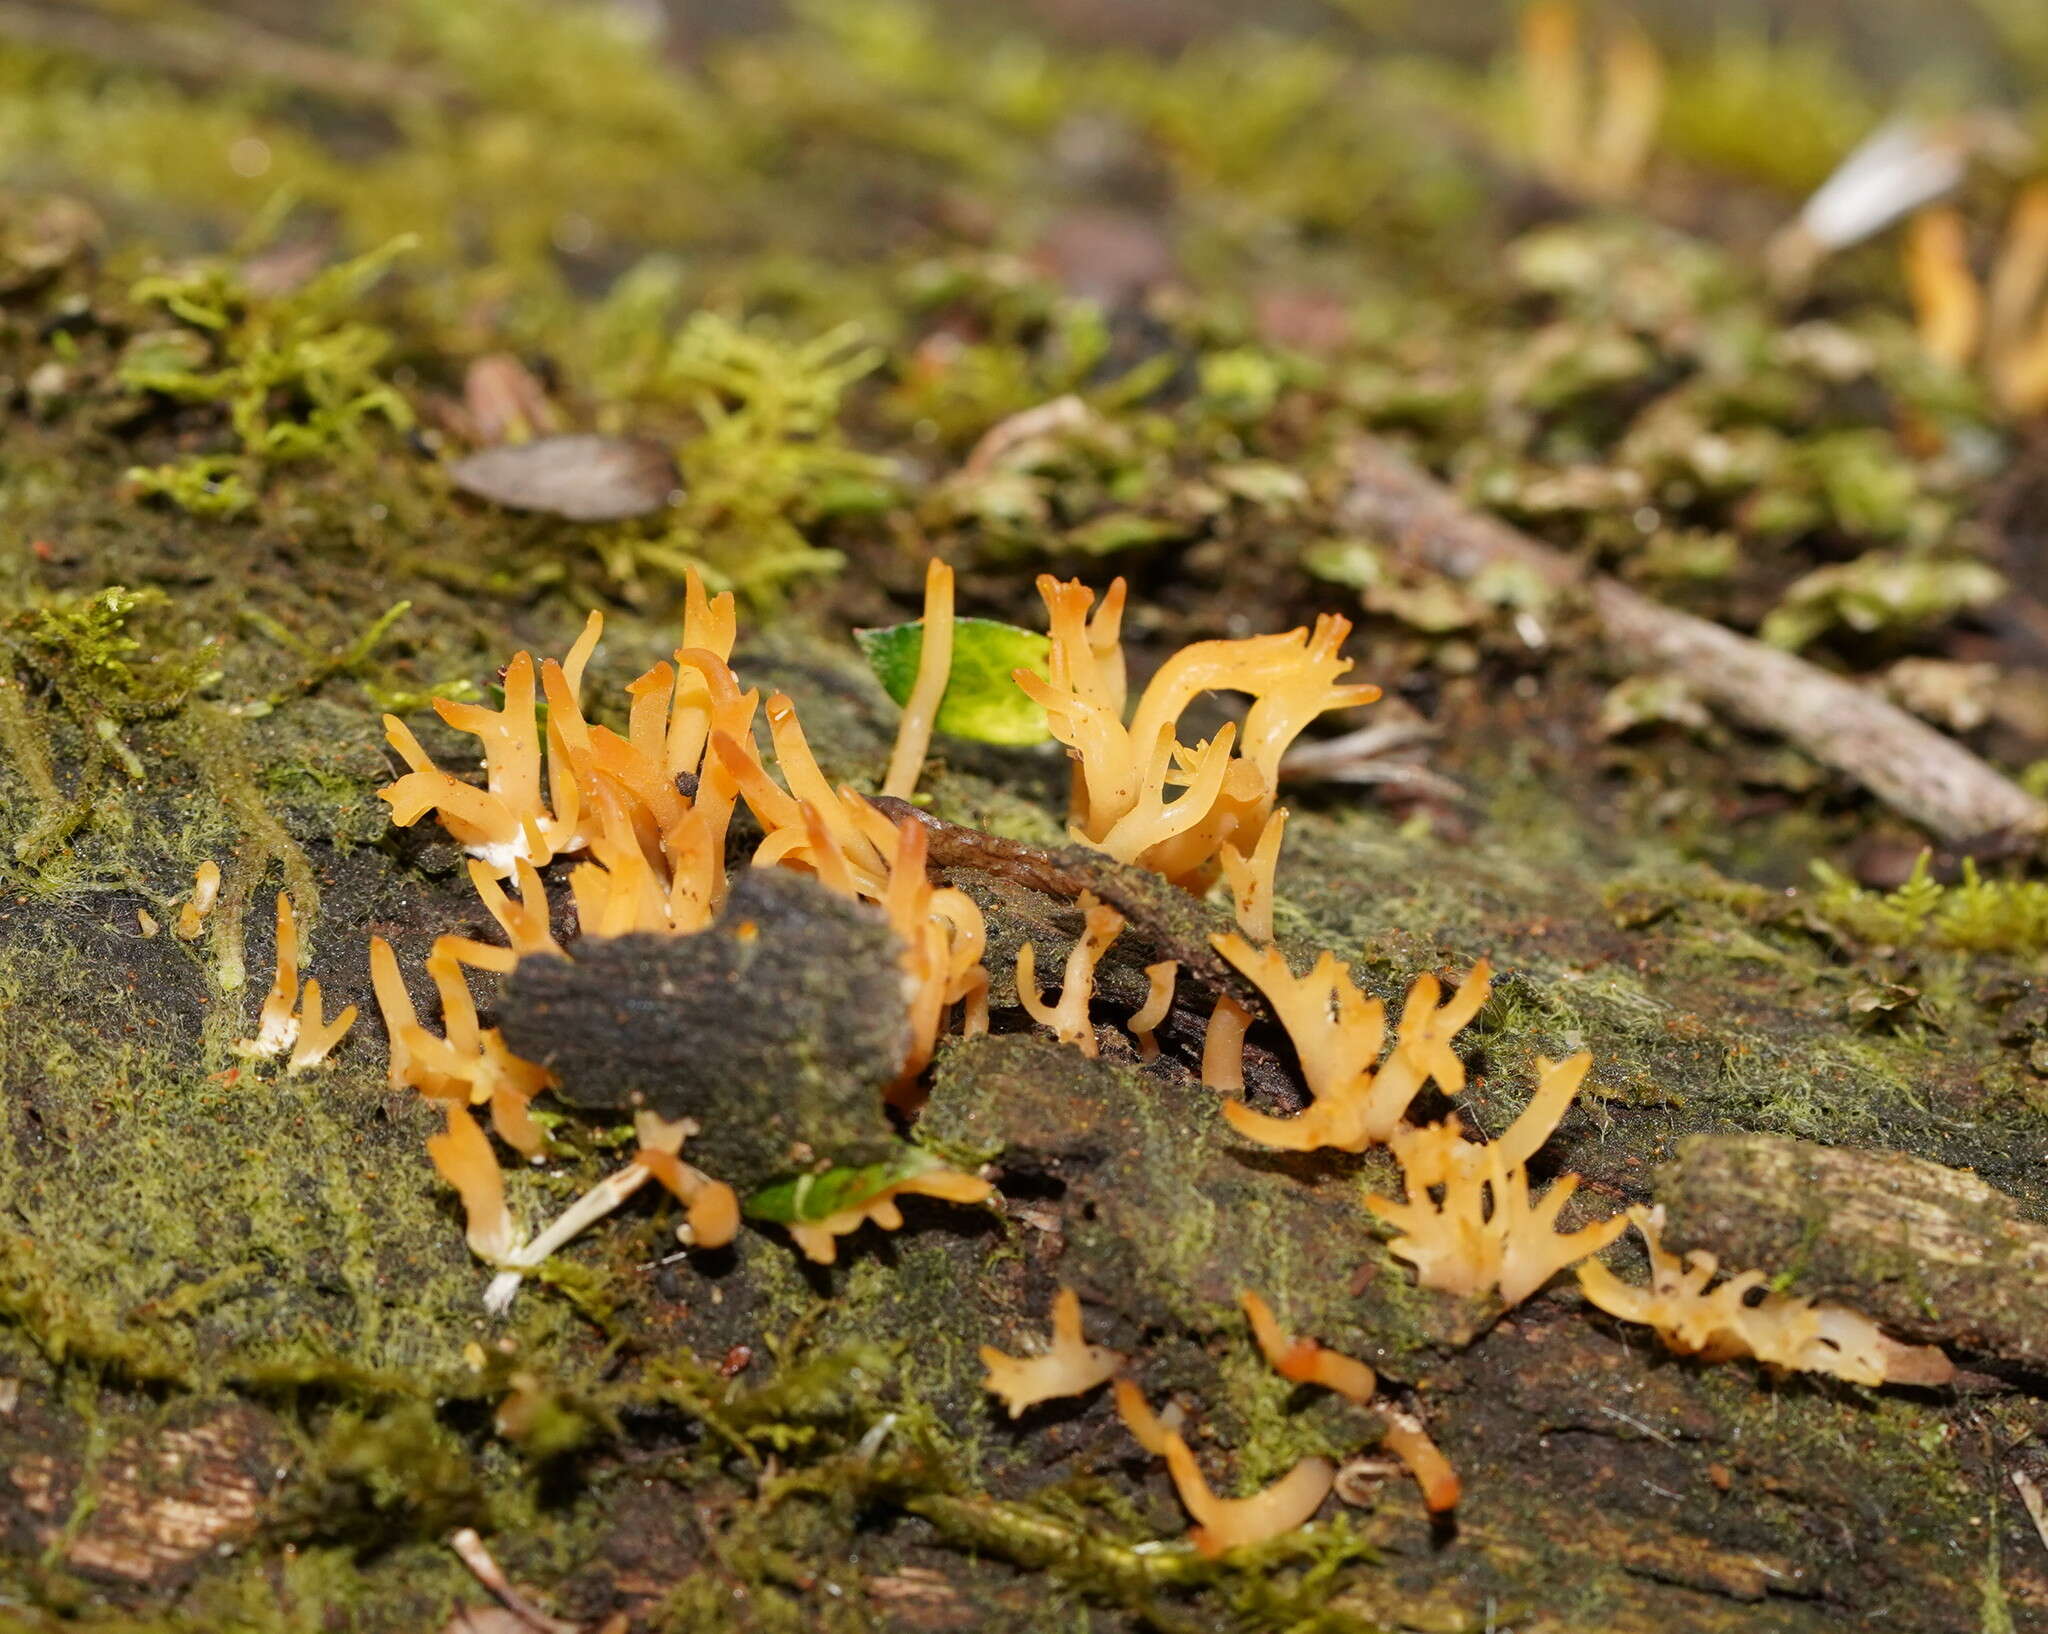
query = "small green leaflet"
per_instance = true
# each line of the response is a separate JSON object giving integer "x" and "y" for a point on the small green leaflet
{"x": 820, "y": 1196}
{"x": 982, "y": 702}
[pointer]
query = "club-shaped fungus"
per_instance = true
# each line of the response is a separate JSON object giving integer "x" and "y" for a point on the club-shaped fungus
{"x": 1740, "y": 1317}
{"x": 1251, "y": 879}
{"x": 1306, "y": 1362}
{"x": 1145, "y": 1020}
{"x": 1225, "y": 1523}
{"x": 1070, "y": 1366}
{"x": 205, "y": 892}
{"x": 928, "y": 691}
{"x": 1122, "y": 773}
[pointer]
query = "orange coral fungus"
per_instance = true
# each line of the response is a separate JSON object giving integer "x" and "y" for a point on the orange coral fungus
{"x": 1780, "y": 1330}
{"x": 1069, "y": 1017}
{"x": 600, "y": 787}
{"x": 1303, "y": 1360}
{"x": 1225, "y": 1523}
{"x": 205, "y": 892}
{"x": 943, "y": 938}
{"x": 285, "y": 1023}
{"x": 648, "y": 811}
{"x": 934, "y": 667}
{"x": 1408, "y": 1441}
{"x": 1070, "y": 1367}
{"x": 1122, "y": 772}
{"x": 462, "y": 1155}
{"x": 1486, "y": 1234}
{"x": 471, "y": 1064}
{"x": 1223, "y": 1046}
{"x": 1337, "y": 1033}
{"x": 1144, "y": 1022}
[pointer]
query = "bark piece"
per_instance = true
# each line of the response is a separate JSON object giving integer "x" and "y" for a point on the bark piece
{"x": 161, "y": 1505}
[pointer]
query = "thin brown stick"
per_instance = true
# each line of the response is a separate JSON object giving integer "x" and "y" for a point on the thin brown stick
{"x": 1904, "y": 762}
{"x": 212, "y": 52}
{"x": 486, "y": 1570}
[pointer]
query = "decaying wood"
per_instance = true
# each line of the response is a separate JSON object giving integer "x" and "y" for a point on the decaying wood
{"x": 1166, "y": 918}
{"x": 1903, "y": 761}
{"x": 1931, "y": 1252}
{"x": 160, "y": 1507}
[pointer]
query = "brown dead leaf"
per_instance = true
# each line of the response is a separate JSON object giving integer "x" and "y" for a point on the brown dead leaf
{"x": 582, "y": 477}
{"x": 505, "y": 402}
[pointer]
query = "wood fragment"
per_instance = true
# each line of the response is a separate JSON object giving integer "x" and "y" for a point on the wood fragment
{"x": 1904, "y": 762}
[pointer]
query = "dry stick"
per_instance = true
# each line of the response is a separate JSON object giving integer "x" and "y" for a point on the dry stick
{"x": 215, "y": 51}
{"x": 1903, "y": 761}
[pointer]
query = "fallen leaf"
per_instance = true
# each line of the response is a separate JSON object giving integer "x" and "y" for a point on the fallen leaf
{"x": 582, "y": 477}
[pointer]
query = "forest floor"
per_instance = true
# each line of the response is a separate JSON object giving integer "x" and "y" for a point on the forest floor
{"x": 264, "y": 284}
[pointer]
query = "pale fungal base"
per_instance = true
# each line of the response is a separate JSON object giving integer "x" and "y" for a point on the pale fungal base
{"x": 1070, "y": 1366}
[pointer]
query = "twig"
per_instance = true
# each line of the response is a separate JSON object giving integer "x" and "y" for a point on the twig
{"x": 216, "y": 51}
{"x": 487, "y": 1571}
{"x": 1904, "y": 762}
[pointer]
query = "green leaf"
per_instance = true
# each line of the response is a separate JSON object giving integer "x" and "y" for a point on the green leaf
{"x": 820, "y": 1196}
{"x": 982, "y": 700}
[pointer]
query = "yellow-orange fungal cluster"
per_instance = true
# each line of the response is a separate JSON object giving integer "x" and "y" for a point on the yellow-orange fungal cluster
{"x": 290, "y": 1023}
{"x": 1338, "y": 1034}
{"x": 1123, "y": 772}
{"x": 648, "y": 813}
{"x": 1592, "y": 139}
{"x": 2000, "y": 326}
{"x": 1484, "y": 1234}
{"x": 1738, "y": 1317}
{"x": 1487, "y": 1235}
